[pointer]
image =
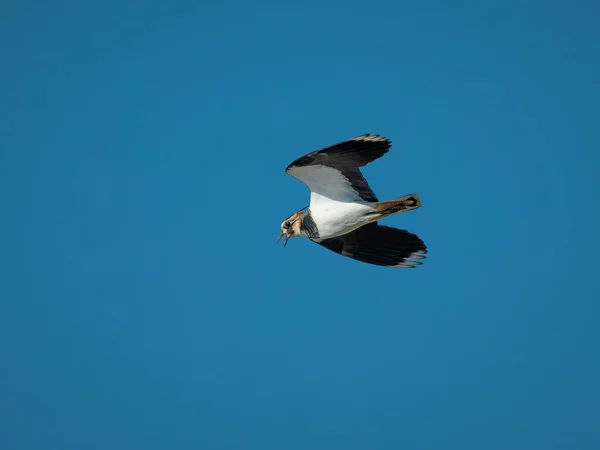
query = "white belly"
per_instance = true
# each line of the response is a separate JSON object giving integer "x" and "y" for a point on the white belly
{"x": 336, "y": 218}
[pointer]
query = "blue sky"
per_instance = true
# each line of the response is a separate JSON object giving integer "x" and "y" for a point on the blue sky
{"x": 145, "y": 303}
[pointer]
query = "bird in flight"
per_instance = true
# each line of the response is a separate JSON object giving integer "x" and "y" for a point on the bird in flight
{"x": 344, "y": 212}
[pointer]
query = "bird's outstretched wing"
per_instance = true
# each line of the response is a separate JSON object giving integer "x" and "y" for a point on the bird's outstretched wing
{"x": 333, "y": 173}
{"x": 379, "y": 245}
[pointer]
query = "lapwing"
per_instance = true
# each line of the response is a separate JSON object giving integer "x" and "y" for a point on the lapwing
{"x": 344, "y": 212}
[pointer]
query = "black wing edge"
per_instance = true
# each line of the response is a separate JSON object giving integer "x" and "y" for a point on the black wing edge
{"x": 351, "y": 153}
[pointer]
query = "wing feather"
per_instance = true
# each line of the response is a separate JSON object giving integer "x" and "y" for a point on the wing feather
{"x": 379, "y": 245}
{"x": 333, "y": 172}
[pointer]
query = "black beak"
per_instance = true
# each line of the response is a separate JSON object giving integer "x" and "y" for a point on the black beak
{"x": 286, "y": 239}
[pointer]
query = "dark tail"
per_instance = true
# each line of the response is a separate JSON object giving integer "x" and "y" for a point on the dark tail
{"x": 400, "y": 204}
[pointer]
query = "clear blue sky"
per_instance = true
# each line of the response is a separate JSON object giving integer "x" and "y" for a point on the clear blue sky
{"x": 144, "y": 302}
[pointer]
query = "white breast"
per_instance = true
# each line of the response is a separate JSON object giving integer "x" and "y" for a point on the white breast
{"x": 334, "y": 218}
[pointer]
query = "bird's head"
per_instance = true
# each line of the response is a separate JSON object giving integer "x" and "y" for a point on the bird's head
{"x": 290, "y": 227}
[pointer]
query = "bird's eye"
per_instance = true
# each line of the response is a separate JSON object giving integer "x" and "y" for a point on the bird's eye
{"x": 286, "y": 225}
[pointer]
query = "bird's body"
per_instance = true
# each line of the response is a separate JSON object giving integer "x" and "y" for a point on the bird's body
{"x": 344, "y": 211}
{"x": 337, "y": 218}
